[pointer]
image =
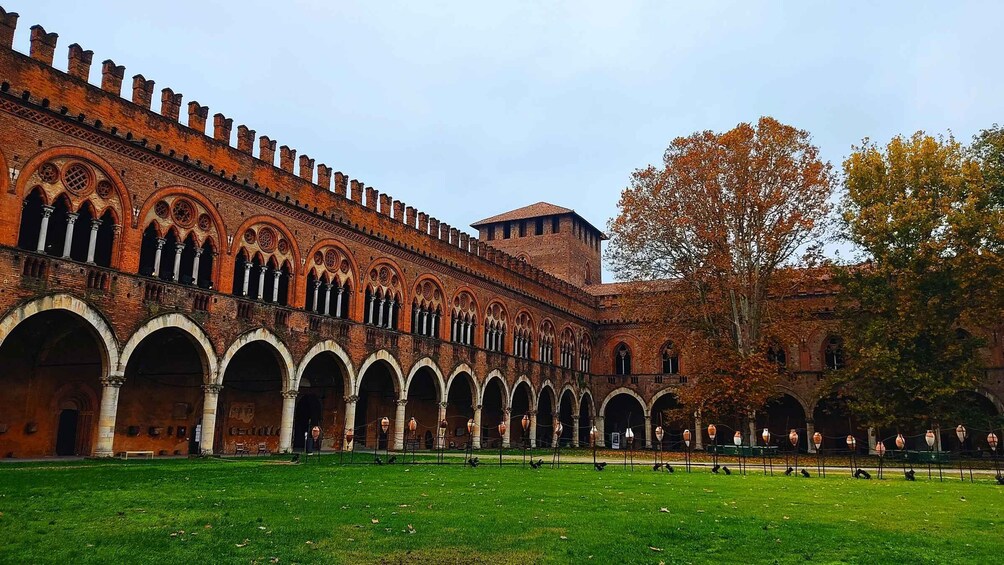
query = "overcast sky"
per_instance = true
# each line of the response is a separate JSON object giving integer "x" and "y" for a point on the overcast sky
{"x": 465, "y": 110}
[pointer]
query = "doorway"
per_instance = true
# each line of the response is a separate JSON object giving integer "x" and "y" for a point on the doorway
{"x": 66, "y": 433}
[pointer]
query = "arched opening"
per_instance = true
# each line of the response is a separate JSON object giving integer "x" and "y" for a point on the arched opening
{"x": 250, "y": 404}
{"x": 460, "y": 409}
{"x": 206, "y": 260}
{"x": 623, "y": 411}
{"x": 321, "y": 401}
{"x": 781, "y": 415}
{"x": 668, "y": 413}
{"x": 56, "y": 234}
{"x": 186, "y": 275}
{"x": 833, "y": 353}
{"x": 975, "y": 411}
{"x": 52, "y": 365}
{"x": 423, "y": 406}
{"x": 81, "y": 237}
{"x": 31, "y": 220}
{"x": 169, "y": 250}
{"x": 148, "y": 251}
{"x": 585, "y": 420}
{"x": 377, "y": 397}
{"x": 566, "y": 415}
{"x": 313, "y": 292}
{"x": 545, "y": 417}
{"x": 670, "y": 359}
{"x": 492, "y": 413}
{"x": 522, "y": 400}
{"x": 342, "y": 301}
{"x": 160, "y": 403}
{"x": 622, "y": 359}
{"x": 834, "y": 421}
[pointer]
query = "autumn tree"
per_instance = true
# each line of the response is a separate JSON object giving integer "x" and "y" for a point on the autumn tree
{"x": 712, "y": 234}
{"x": 928, "y": 225}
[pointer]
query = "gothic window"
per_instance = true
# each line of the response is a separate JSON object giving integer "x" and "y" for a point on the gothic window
{"x": 495, "y": 327}
{"x": 777, "y": 356}
{"x": 264, "y": 264}
{"x": 179, "y": 241}
{"x": 833, "y": 354}
{"x": 383, "y": 297}
{"x": 330, "y": 279}
{"x": 622, "y": 359}
{"x": 427, "y": 309}
{"x": 670, "y": 359}
{"x": 567, "y": 349}
{"x": 545, "y": 345}
{"x": 522, "y": 339}
{"x": 463, "y": 319}
{"x": 585, "y": 353}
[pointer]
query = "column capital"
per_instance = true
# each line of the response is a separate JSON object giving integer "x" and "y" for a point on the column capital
{"x": 160, "y": 242}
{"x": 72, "y": 216}
{"x": 47, "y": 210}
{"x": 290, "y": 393}
{"x": 96, "y": 223}
{"x": 401, "y": 401}
{"x": 444, "y": 404}
{"x": 476, "y": 406}
{"x": 212, "y": 388}
{"x": 351, "y": 399}
{"x": 115, "y": 379}
{"x": 180, "y": 246}
{"x": 198, "y": 251}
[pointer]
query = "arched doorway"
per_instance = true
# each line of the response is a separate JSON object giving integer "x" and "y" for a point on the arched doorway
{"x": 377, "y": 397}
{"x": 781, "y": 415}
{"x": 522, "y": 403}
{"x": 492, "y": 413}
{"x": 566, "y": 412}
{"x": 545, "y": 417}
{"x": 250, "y": 404}
{"x": 585, "y": 419}
{"x": 834, "y": 421}
{"x": 423, "y": 405}
{"x": 52, "y": 363}
{"x": 459, "y": 410}
{"x": 321, "y": 400}
{"x": 668, "y": 413}
{"x": 624, "y": 411}
{"x": 160, "y": 403}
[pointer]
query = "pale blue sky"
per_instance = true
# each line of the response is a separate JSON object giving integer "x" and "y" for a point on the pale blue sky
{"x": 465, "y": 110}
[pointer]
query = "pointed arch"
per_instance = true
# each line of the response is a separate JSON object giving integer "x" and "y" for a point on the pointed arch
{"x": 326, "y": 346}
{"x": 382, "y": 355}
{"x": 439, "y": 380}
{"x": 495, "y": 374}
{"x": 180, "y": 322}
{"x": 261, "y": 334}
{"x": 58, "y": 151}
{"x": 554, "y": 398}
{"x": 532, "y": 400}
{"x": 627, "y": 391}
{"x": 655, "y": 398}
{"x": 457, "y": 371}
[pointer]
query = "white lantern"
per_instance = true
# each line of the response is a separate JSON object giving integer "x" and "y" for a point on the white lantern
{"x": 929, "y": 437}
{"x": 737, "y": 438}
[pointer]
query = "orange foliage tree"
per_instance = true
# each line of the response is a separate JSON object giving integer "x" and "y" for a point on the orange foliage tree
{"x": 712, "y": 236}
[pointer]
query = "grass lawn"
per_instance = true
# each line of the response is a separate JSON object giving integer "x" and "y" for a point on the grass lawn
{"x": 263, "y": 510}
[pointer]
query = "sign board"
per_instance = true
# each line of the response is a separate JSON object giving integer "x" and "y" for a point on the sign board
{"x": 615, "y": 440}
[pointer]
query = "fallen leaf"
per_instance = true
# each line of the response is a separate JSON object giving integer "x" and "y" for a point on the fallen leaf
{"x": 655, "y": 548}
{"x": 243, "y": 544}
{"x": 664, "y": 509}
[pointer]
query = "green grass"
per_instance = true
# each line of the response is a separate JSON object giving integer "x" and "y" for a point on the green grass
{"x": 261, "y": 510}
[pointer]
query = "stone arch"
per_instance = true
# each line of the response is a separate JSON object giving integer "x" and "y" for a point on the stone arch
{"x": 462, "y": 368}
{"x": 808, "y": 408}
{"x": 546, "y": 384}
{"x": 219, "y": 225}
{"x": 627, "y": 391}
{"x": 326, "y": 346}
{"x": 529, "y": 384}
{"x": 655, "y": 398}
{"x": 506, "y": 393}
{"x": 178, "y": 321}
{"x": 107, "y": 170}
{"x": 569, "y": 388}
{"x": 592, "y": 405}
{"x": 382, "y": 355}
{"x": 261, "y": 334}
{"x": 105, "y": 335}
{"x": 426, "y": 362}
{"x": 992, "y": 398}
{"x": 331, "y": 242}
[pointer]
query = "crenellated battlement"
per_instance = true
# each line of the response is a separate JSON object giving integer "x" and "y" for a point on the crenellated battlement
{"x": 36, "y": 79}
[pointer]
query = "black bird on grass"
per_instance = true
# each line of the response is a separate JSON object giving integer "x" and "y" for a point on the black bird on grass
{"x": 805, "y": 474}
{"x": 392, "y": 459}
{"x": 715, "y": 469}
{"x": 378, "y": 461}
{"x": 473, "y": 462}
{"x": 600, "y": 466}
{"x": 534, "y": 464}
{"x": 910, "y": 475}
{"x": 657, "y": 466}
{"x": 295, "y": 458}
{"x": 1000, "y": 479}
{"x": 727, "y": 471}
{"x": 669, "y": 467}
{"x": 789, "y": 472}
{"x": 862, "y": 474}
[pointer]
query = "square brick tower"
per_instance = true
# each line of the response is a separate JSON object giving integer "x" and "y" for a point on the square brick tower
{"x": 552, "y": 238}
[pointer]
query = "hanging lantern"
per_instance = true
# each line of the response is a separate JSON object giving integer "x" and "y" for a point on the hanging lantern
{"x": 960, "y": 431}
{"x": 385, "y": 424}
{"x": 525, "y": 422}
{"x": 502, "y": 428}
{"x": 852, "y": 443}
{"x": 412, "y": 425}
{"x": 470, "y": 426}
{"x": 900, "y": 442}
{"x": 712, "y": 431}
{"x": 738, "y": 438}
{"x": 686, "y": 437}
{"x": 766, "y": 436}
{"x": 348, "y": 436}
{"x": 992, "y": 440}
{"x": 817, "y": 440}
{"x": 880, "y": 449}
{"x": 793, "y": 437}
{"x": 593, "y": 434}
{"x": 929, "y": 437}
{"x": 659, "y": 433}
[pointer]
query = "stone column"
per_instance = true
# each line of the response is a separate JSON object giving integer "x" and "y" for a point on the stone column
{"x": 276, "y": 275}
{"x": 286, "y": 424}
{"x": 195, "y": 266}
{"x": 247, "y": 278}
{"x": 575, "y": 431}
{"x": 507, "y": 415}
{"x": 317, "y": 287}
{"x": 110, "y": 386}
{"x": 370, "y": 318}
{"x": 327, "y": 299}
{"x": 92, "y": 243}
{"x": 476, "y": 440}
{"x": 261, "y": 281}
{"x": 533, "y": 428}
{"x": 338, "y": 304}
{"x": 71, "y": 218}
{"x": 156, "y": 257}
{"x": 648, "y": 431}
{"x": 43, "y": 228}
{"x": 179, "y": 248}
{"x": 441, "y": 439}
{"x": 350, "y": 420}
{"x": 872, "y": 441}
{"x": 390, "y": 314}
{"x": 810, "y": 428}
{"x": 600, "y": 431}
{"x": 698, "y": 431}
{"x": 380, "y": 313}
{"x": 399, "y": 425}
{"x": 211, "y": 399}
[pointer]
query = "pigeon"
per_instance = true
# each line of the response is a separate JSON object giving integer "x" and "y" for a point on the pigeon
{"x": 727, "y": 471}
{"x": 910, "y": 475}
{"x": 657, "y": 466}
{"x": 862, "y": 474}
{"x": 392, "y": 459}
{"x": 669, "y": 467}
{"x": 534, "y": 464}
{"x": 805, "y": 474}
{"x": 600, "y": 466}
{"x": 789, "y": 472}
{"x": 715, "y": 469}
